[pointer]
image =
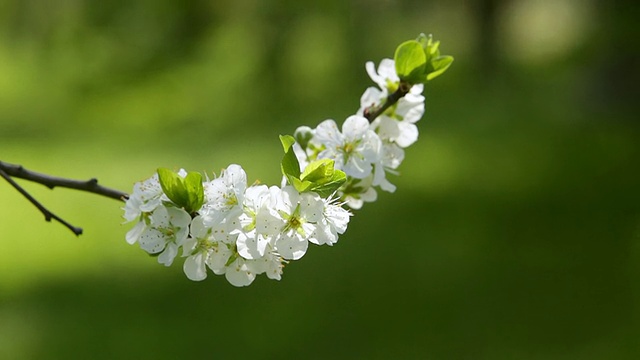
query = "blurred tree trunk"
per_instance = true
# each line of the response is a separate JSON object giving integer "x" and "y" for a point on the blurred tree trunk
{"x": 486, "y": 12}
{"x": 618, "y": 47}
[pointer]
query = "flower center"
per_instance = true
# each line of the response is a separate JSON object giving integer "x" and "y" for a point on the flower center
{"x": 167, "y": 231}
{"x": 294, "y": 223}
{"x": 230, "y": 199}
{"x": 348, "y": 148}
{"x": 205, "y": 245}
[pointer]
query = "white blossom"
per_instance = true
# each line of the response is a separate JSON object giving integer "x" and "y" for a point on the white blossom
{"x": 147, "y": 195}
{"x": 354, "y": 150}
{"x": 359, "y": 191}
{"x": 224, "y": 195}
{"x": 208, "y": 245}
{"x": 299, "y": 212}
{"x": 168, "y": 229}
{"x": 144, "y": 198}
{"x": 244, "y": 231}
{"x": 333, "y": 221}
{"x": 386, "y": 75}
{"x": 259, "y": 223}
{"x": 240, "y": 273}
{"x": 396, "y": 124}
{"x": 270, "y": 264}
{"x": 391, "y": 157}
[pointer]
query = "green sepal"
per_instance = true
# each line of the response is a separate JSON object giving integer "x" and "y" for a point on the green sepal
{"x": 231, "y": 259}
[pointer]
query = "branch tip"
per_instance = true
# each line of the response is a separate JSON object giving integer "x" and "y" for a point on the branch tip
{"x": 7, "y": 171}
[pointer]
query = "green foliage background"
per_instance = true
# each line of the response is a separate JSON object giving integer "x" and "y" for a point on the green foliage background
{"x": 514, "y": 233}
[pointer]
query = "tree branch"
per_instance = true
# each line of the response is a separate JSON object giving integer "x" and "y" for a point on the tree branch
{"x": 373, "y": 112}
{"x": 48, "y": 215}
{"x": 51, "y": 182}
{"x": 8, "y": 170}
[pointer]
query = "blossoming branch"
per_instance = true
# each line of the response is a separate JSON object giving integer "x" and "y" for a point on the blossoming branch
{"x": 242, "y": 231}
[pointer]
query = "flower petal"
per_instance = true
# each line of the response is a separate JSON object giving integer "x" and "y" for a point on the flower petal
{"x": 194, "y": 267}
{"x": 355, "y": 127}
{"x": 371, "y": 70}
{"x": 323, "y": 235}
{"x": 238, "y": 274}
{"x": 152, "y": 241}
{"x": 408, "y": 134}
{"x": 218, "y": 258}
{"x": 311, "y": 206}
{"x": 251, "y": 246}
{"x": 169, "y": 253}
{"x": 372, "y": 96}
{"x": 387, "y": 70}
{"x": 291, "y": 247}
{"x": 327, "y": 132}
{"x": 134, "y": 234}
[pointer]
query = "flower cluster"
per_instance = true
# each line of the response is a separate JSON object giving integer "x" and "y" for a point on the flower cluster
{"x": 239, "y": 231}
{"x": 365, "y": 151}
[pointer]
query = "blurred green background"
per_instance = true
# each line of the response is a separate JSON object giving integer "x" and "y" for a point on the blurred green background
{"x": 514, "y": 232}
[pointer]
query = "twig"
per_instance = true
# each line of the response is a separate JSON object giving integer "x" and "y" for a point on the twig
{"x": 48, "y": 215}
{"x": 372, "y": 113}
{"x": 49, "y": 181}
{"x": 7, "y": 171}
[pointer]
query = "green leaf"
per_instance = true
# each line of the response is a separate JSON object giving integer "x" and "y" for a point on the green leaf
{"x": 411, "y": 62}
{"x": 335, "y": 182}
{"x": 429, "y": 46}
{"x": 319, "y": 176}
{"x": 287, "y": 142}
{"x": 440, "y": 65}
{"x": 318, "y": 171}
{"x": 424, "y": 40}
{"x": 173, "y": 186}
{"x": 436, "y": 64}
{"x": 195, "y": 191}
{"x": 290, "y": 166}
{"x": 187, "y": 193}
{"x": 302, "y": 136}
{"x": 301, "y": 185}
{"x": 432, "y": 51}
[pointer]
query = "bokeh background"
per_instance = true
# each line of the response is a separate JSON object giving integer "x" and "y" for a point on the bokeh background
{"x": 514, "y": 232}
